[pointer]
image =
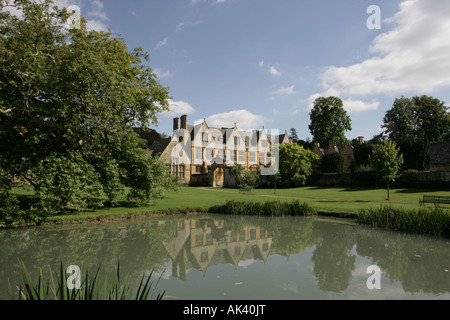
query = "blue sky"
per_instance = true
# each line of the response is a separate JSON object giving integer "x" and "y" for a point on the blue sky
{"x": 262, "y": 62}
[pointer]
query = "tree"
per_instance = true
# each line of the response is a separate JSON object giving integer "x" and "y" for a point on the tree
{"x": 421, "y": 117}
{"x": 293, "y": 135}
{"x": 387, "y": 162}
{"x": 332, "y": 162}
{"x": 329, "y": 121}
{"x": 69, "y": 102}
{"x": 400, "y": 122}
{"x": 296, "y": 165}
{"x": 433, "y": 118}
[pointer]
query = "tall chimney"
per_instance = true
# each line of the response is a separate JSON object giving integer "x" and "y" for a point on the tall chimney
{"x": 361, "y": 140}
{"x": 176, "y": 124}
{"x": 184, "y": 122}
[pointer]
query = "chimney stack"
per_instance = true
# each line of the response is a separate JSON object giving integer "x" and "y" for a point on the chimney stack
{"x": 361, "y": 140}
{"x": 176, "y": 124}
{"x": 184, "y": 122}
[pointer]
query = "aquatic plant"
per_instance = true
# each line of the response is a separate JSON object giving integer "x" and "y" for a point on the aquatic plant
{"x": 268, "y": 208}
{"x": 433, "y": 221}
{"x": 90, "y": 288}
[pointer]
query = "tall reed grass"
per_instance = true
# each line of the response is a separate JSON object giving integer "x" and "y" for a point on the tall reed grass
{"x": 269, "y": 208}
{"x": 55, "y": 288}
{"x": 432, "y": 221}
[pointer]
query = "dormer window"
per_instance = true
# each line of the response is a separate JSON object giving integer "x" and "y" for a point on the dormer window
{"x": 205, "y": 137}
{"x": 236, "y": 141}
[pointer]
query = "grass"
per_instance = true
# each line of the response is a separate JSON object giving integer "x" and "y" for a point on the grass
{"x": 433, "y": 221}
{"x": 90, "y": 288}
{"x": 268, "y": 208}
{"x": 331, "y": 200}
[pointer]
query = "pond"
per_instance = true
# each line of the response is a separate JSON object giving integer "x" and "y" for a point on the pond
{"x": 218, "y": 257}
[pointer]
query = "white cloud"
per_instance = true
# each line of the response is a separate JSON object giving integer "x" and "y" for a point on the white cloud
{"x": 274, "y": 71}
{"x": 285, "y": 91}
{"x": 162, "y": 43}
{"x": 244, "y": 119}
{"x": 413, "y": 56}
{"x": 177, "y": 108}
{"x": 354, "y": 106}
{"x": 261, "y": 64}
{"x": 163, "y": 74}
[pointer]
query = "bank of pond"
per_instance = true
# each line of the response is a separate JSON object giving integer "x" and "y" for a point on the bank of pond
{"x": 433, "y": 221}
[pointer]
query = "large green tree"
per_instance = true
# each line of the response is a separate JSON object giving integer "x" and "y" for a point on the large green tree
{"x": 419, "y": 117}
{"x": 329, "y": 121}
{"x": 296, "y": 165}
{"x": 69, "y": 99}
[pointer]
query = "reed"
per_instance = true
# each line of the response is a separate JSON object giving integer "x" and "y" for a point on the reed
{"x": 432, "y": 221}
{"x": 269, "y": 208}
{"x": 55, "y": 288}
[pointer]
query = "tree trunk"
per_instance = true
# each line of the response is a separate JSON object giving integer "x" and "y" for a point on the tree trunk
{"x": 388, "y": 198}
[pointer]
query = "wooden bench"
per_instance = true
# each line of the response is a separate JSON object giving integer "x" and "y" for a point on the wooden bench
{"x": 435, "y": 199}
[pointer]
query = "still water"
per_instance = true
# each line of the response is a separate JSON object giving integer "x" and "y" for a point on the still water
{"x": 239, "y": 257}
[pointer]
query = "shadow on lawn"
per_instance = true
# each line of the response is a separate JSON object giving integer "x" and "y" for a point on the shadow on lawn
{"x": 345, "y": 188}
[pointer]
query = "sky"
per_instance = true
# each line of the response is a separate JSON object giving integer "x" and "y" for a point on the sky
{"x": 262, "y": 63}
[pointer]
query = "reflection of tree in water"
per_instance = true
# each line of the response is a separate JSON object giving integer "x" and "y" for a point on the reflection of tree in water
{"x": 332, "y": 258}
{"x": 418, "y": 262}
{"x": 292, "y": 235}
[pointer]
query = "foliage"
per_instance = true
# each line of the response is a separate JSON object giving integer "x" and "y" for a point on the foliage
{"x": 416, "y": 153}
{"x": 296, "y": 165}
{"x": 70, "y": 101}
{"x": 433, "y": 221}
{"x": 237, "y": 171}
{"x": 329, "y": 121}
{"x": 89, "y": 290}
{"x": 421, "y": 117}
{"x": 293, "y": 135}
{"x": 332, "y": 162}
{"x": 387, "y": 161}
{"x": 269, "y": 208}
{"x": 362, "y": 152}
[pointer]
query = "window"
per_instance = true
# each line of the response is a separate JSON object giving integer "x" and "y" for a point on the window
{"x": 175, "y": 170}
{"x": 263, "y": 144}
{"x": 232, "y": 155}
{"x": 205, "y": 137}
{"x": 241, "y": 156}
{"x": 198, "y": 169}
{"x": 199, "y": 153}
{"x": 262, "y": 158}
{"x": 181, "y": 172}
{"x": 236, "y": 141}
{"x": 252, "y": 157}
{"x": 209, "y": 154}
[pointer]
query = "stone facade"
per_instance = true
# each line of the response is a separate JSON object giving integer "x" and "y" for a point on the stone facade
{"x": 346, "y": 152}
{"x": 203, "y": 155}
{"x": 440, "y": 156}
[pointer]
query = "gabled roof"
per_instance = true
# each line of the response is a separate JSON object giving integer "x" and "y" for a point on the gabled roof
{"x": 160, "y": 145}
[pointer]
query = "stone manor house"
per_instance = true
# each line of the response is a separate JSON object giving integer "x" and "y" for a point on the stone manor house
{"x": 203, "y": 155}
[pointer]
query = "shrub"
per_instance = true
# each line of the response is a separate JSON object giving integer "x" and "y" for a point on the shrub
{"x": 332, "y": 163}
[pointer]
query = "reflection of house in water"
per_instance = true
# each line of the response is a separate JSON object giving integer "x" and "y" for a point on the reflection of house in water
{"x": 202, "y": 243}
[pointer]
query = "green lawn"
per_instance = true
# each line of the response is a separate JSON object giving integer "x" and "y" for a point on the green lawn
{"x": 324, "y": 199}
